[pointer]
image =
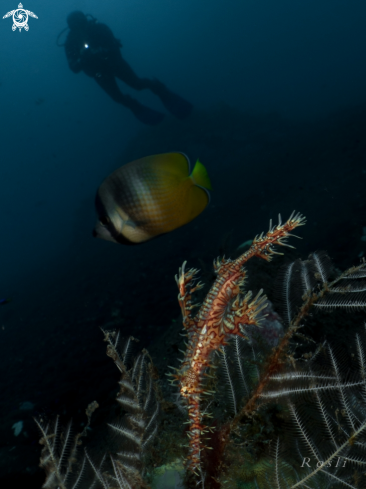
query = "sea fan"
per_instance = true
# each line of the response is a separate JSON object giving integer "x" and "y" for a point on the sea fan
{"x": 59, "y": 454}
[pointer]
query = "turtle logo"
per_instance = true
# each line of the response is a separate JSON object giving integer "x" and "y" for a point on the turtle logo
{"x": 20, "y": 18}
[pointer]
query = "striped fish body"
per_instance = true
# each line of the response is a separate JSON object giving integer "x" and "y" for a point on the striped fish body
{"x": 149, "y": 197}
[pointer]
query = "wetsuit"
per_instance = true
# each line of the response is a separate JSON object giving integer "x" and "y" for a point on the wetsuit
{"x": 94, "y": 50}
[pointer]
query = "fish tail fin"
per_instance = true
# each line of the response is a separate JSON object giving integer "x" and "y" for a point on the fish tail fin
{"x": 200, "y": 176}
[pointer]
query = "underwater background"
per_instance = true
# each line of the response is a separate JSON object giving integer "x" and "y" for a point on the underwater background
{"x": 279, "y": 121}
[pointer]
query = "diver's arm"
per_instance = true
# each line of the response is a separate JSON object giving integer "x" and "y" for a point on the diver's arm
{"x": 73, "y": 57}
{"x": 75, "y": 63}
{"x": 75, "y": 66}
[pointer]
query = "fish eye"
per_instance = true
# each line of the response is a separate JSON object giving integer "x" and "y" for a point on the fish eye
{"x": 104, "y": 220}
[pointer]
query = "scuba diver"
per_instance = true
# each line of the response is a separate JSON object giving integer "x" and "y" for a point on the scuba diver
{"x": 92, "y": 48}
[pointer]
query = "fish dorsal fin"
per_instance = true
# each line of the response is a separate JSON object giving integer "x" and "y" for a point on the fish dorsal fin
{"x": 173, "y": 163}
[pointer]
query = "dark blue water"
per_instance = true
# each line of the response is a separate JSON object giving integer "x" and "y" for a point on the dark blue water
{"x": 279, "y": 120}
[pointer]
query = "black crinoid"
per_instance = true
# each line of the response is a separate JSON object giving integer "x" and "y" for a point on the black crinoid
{"x": 299, "y": 411}
{"x": 123, "y": 466}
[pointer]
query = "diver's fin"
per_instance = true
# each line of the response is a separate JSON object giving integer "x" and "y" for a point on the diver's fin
{"x": 176, "y": 104}
{"x": 200, "y": 176}
{"x": 148, "y": 116}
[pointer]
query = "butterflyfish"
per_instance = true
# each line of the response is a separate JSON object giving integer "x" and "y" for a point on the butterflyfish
{"x": 149, "y": 197}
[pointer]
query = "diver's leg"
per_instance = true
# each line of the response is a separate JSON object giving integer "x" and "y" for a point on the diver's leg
{"x": 176, "y": 104}
{"x": 141, "y": 112}
{"x": 109, "y": 85}
{"x": 124, "y": 72}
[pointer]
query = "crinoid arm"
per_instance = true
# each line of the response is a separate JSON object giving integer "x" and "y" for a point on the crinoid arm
{"x": 133, "y": 432}
{"x": 328, "y": 421}
{"x": 59, "y": 453}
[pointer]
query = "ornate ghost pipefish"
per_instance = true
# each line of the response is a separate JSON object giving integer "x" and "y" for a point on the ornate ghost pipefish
{"x": 226, "y": 310}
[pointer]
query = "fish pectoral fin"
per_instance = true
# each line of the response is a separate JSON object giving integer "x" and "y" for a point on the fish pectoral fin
{"x": 130, "y": 223}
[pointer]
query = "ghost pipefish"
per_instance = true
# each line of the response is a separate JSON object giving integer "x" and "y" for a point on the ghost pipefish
{"x": 226, "y": 311}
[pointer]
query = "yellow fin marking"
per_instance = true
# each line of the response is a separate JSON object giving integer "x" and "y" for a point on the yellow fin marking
{"x": 200, "y": 176}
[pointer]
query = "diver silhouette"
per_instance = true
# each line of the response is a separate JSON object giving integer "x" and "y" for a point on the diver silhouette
{"x": 92, "y": 48}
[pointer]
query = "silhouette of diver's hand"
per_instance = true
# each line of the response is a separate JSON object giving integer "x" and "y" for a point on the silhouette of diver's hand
{"x": 88, "y": 54}
{"x": 75, "y": 66}
{"x": 144, "y": 114}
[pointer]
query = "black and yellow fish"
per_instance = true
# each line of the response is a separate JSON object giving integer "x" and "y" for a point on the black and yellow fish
{"x": 149, "y": 197}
